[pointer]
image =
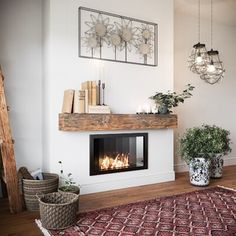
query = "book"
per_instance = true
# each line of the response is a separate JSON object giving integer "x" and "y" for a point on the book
{"x": 87, "y": 85}
{"x": 81, "y": 101}
{"x": 86, "y": 100}
{"x": 67, "y": 106}
{"x": 89, "y": 92}
{"x": 76, "y": 104}
{"x": 98, "y": 96}
{"x": 94, "y": 93}
{"x": 99, "y": 109}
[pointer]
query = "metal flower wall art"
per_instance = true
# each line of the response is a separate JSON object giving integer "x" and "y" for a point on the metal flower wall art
{"x": 112, "y": 37}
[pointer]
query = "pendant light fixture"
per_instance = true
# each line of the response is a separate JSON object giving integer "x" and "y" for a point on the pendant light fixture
{"x": 199, "y": 57}
{"x": 214, "y": 71}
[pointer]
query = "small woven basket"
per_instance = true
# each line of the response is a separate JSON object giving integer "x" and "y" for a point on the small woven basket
{"x": 30, "y": 188}
{"x": 58, "y": 210}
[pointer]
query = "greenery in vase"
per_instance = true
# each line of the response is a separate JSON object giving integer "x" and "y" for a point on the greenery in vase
{"x": 204, "y": 141}
{"x": 172, "y": 99}
{"x": 219, "y": 139}
{"x": 68, "y": 180}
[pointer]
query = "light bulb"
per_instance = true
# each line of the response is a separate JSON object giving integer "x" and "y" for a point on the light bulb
{"x": 211, "y": 68}
{"x": 198, "y": 59}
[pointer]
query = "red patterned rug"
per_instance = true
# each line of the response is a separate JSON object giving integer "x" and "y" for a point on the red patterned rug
{"x": 204, "y": 212}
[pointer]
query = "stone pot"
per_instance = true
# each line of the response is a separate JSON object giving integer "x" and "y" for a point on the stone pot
{"x": 163, "y": 109}
{"x": 199, "y": 171}
{"x": 216, "y": 167}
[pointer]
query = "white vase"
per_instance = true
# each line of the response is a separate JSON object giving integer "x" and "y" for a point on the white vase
{"x": 216, "y": 168}
{"x": 199, "y": 171}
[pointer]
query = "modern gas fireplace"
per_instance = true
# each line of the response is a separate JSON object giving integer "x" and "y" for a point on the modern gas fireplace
{"x": 111, "y": 153}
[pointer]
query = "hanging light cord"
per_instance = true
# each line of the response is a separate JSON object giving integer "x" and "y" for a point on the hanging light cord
{"x": 211, "y": 25}
{"x": 199, "y": 23}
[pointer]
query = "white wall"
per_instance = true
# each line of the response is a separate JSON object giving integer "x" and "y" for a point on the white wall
{"x": 21, "y": 61}
{"x": 127, "y": 87}
{"x": 210, "y": 104}
{"x": 35, "y": 90}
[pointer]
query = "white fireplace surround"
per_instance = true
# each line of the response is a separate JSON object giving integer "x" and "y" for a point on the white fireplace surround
{"x": 76, "y": 161}
{"x": 127, "y": 87}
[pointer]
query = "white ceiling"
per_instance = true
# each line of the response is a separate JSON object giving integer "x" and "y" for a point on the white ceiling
{"x": 224, "y": 11}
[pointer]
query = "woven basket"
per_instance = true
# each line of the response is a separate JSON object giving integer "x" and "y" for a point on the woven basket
{"x": 32, "y": 187}
{"x": 58, "y": 210}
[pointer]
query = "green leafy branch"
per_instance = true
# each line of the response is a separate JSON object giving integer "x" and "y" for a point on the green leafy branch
{"x": 172, "y": 99}
{"x": 68, "y": 180}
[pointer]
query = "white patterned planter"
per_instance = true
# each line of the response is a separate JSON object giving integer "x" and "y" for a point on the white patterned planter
{"x": 199, "y": 171}
{"x": 216, "y": 167}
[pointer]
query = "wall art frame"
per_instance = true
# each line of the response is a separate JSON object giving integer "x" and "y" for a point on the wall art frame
{"x": 112, "y": 37}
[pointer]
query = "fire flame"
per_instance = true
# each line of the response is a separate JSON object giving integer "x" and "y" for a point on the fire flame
{"x": 120, "y": 161}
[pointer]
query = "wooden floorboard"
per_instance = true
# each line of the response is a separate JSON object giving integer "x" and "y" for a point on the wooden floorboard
{"x": 22, "y": 224}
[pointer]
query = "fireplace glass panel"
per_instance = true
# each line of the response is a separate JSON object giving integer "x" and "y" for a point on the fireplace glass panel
{"x": 117, "y": 152}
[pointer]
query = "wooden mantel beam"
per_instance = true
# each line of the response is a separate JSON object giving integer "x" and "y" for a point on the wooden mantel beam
{"x": 99, "y": 122}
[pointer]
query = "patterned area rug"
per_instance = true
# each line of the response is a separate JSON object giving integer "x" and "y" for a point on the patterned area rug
{"x": 205, "y": 212}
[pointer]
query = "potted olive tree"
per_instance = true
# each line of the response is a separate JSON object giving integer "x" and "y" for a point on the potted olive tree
{"x": 219, "y": 145}
{"x": 203, "y": 149}
{"x": 194, "y": 150}
{"x": 67, "y": 183}
{"x": 165, "y": 101}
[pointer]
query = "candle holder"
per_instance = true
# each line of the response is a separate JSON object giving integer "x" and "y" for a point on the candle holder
{"x": 99, "y": 92}
{"x": 103, "y": 92}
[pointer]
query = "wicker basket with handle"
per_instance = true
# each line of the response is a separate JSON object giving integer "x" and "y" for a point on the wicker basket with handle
{"x": 30, "y": 188}
{"x": 58, "y": 210}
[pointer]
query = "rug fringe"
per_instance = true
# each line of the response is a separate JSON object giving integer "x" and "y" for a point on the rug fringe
{"x": 220, "y": 186}
{"x": 44, "y": 231}
{"x": 47, "y": 233}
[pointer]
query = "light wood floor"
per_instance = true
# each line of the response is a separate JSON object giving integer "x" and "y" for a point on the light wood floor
{"x": 22, "y": 224}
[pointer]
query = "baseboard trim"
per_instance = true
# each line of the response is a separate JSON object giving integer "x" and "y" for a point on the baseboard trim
{"x": 126, "y": 183}
{"x": 230, "y": 161}
{"x": 182, "y": 167}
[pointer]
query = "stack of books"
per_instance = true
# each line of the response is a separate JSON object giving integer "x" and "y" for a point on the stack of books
{"x": 85, "y": 100}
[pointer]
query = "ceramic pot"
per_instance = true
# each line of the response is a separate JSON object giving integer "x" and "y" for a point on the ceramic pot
{"x": 216, "y": 168}
{"x": 162, "y": 109}
{"x": 199, "y": 171}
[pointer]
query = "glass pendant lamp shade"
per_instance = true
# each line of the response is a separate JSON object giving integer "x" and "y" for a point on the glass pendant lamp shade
{"x": 214, "y": 69}
{"x": 198, "y": 59}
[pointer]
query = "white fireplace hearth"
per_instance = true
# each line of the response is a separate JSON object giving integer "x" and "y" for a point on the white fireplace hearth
{"x": 76, "y": 160}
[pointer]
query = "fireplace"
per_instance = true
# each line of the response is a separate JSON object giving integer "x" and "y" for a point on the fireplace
{"x": 111, "y": 153}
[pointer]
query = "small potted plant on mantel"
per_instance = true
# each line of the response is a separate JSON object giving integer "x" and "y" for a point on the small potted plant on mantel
{"x": 68, "y": 183}
{"x": 165, "y": 101}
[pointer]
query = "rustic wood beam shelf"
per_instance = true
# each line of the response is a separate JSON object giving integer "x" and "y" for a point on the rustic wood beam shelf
{"x": 97, "y": 122}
